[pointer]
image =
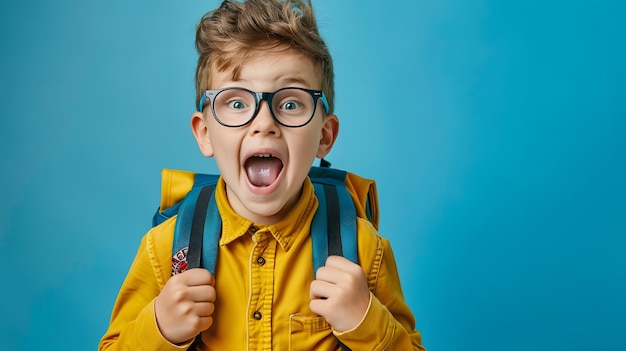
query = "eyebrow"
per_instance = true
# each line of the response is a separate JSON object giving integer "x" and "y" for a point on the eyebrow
{"x": 286, "y": 80}
{"x": 297, "y": 80}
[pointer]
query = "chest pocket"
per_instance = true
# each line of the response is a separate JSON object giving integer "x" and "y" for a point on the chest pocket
{"x": 310, "y": 333}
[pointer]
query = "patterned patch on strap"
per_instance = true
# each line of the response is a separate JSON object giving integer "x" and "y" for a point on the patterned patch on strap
{"x": 179, "y": 261}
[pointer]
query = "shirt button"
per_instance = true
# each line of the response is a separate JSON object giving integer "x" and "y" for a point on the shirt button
{"x": 257, "y": 315}
{"x": 260, "y": 261}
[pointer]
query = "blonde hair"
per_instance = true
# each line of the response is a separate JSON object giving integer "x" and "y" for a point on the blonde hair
{"x": 237, "y": 30}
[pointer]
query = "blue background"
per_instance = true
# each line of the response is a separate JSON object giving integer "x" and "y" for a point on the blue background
{"x": 495, "y": 130}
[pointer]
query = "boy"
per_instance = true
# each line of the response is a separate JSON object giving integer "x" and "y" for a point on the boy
{"x": 264, "y": 294}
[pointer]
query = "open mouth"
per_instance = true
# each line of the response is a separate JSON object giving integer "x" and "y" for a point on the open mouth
{"x": 263, "y": 169}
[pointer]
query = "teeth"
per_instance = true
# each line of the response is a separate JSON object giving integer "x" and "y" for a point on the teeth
{"x": 263, "y": 155}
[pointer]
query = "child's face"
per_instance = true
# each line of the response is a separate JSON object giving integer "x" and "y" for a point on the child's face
{"x": 264, "y": 189}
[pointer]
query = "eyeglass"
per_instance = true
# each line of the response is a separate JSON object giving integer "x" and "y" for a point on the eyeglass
{"x": 290, "y": 107}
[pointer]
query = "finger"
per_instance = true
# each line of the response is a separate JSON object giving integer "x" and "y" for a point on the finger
{"x": 344, "y": 265}
{"x": 339, "y": 262}
{"x": 204, "y": 309}
{"x": 320, "y": 289}
{"x": 198, "y": 276}
{"x": 330, "y": 274}
{"x": 204, "y": 322}
{"x": 201, "y": 293}
{"x": 318, "y": 307}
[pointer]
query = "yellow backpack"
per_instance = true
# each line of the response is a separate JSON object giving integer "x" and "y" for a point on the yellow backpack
{"x": 342, "y": 196}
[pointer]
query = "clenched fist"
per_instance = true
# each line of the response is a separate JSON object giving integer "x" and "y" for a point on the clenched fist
{"x": 185, "y": 306}
{"x": 340, "y": 293}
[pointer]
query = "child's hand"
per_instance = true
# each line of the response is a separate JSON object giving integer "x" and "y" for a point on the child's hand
{"x": 184, "y": 308}
{"x": 340, "y": 293}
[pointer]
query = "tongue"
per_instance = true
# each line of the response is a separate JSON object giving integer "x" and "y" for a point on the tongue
{"x": 263, "y": 171}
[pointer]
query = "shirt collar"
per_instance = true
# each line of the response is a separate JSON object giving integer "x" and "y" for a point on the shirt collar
{"x": 295, "y": 223}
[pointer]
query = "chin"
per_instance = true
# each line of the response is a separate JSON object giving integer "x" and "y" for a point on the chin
{"x": 262, "y": 214}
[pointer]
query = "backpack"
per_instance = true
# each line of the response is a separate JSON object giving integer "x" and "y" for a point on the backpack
{"x": 342, "y": 197}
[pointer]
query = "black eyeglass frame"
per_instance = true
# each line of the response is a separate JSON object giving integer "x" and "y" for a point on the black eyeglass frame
{"x": 258, "y": 98}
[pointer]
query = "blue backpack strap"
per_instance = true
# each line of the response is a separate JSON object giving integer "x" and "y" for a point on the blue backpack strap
{"x": 212, "y": 230}
{"x": 333, "y": 230}
{"x": 196, "y": 231}
{"x": 161, "y": 216}
{"x": 199, "y": 225}
{"x": 335, "y": 216}
{"x": 182, "y": 230}
{"x": 200, "y": 180}
{"x": 206, "y": 224}
{"x": 318, "y": 228}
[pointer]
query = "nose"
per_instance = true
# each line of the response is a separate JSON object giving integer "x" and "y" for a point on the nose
{"x": 263, "y": 122}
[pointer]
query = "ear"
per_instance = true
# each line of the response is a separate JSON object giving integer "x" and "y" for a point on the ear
{"x": 330, "y": 130}
{"x": 201, "y": 132}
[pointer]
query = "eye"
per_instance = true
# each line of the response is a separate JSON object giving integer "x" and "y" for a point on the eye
{"x": 237, "y": 104}
{"x": 291, "y": 105}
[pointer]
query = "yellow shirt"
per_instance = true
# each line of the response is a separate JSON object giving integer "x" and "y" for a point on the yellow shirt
{"x": 262, "y": 277}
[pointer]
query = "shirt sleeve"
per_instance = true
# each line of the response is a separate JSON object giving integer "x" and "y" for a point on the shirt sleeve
{"x": 388, "y": 324}
{"x": 133, "y": 324}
